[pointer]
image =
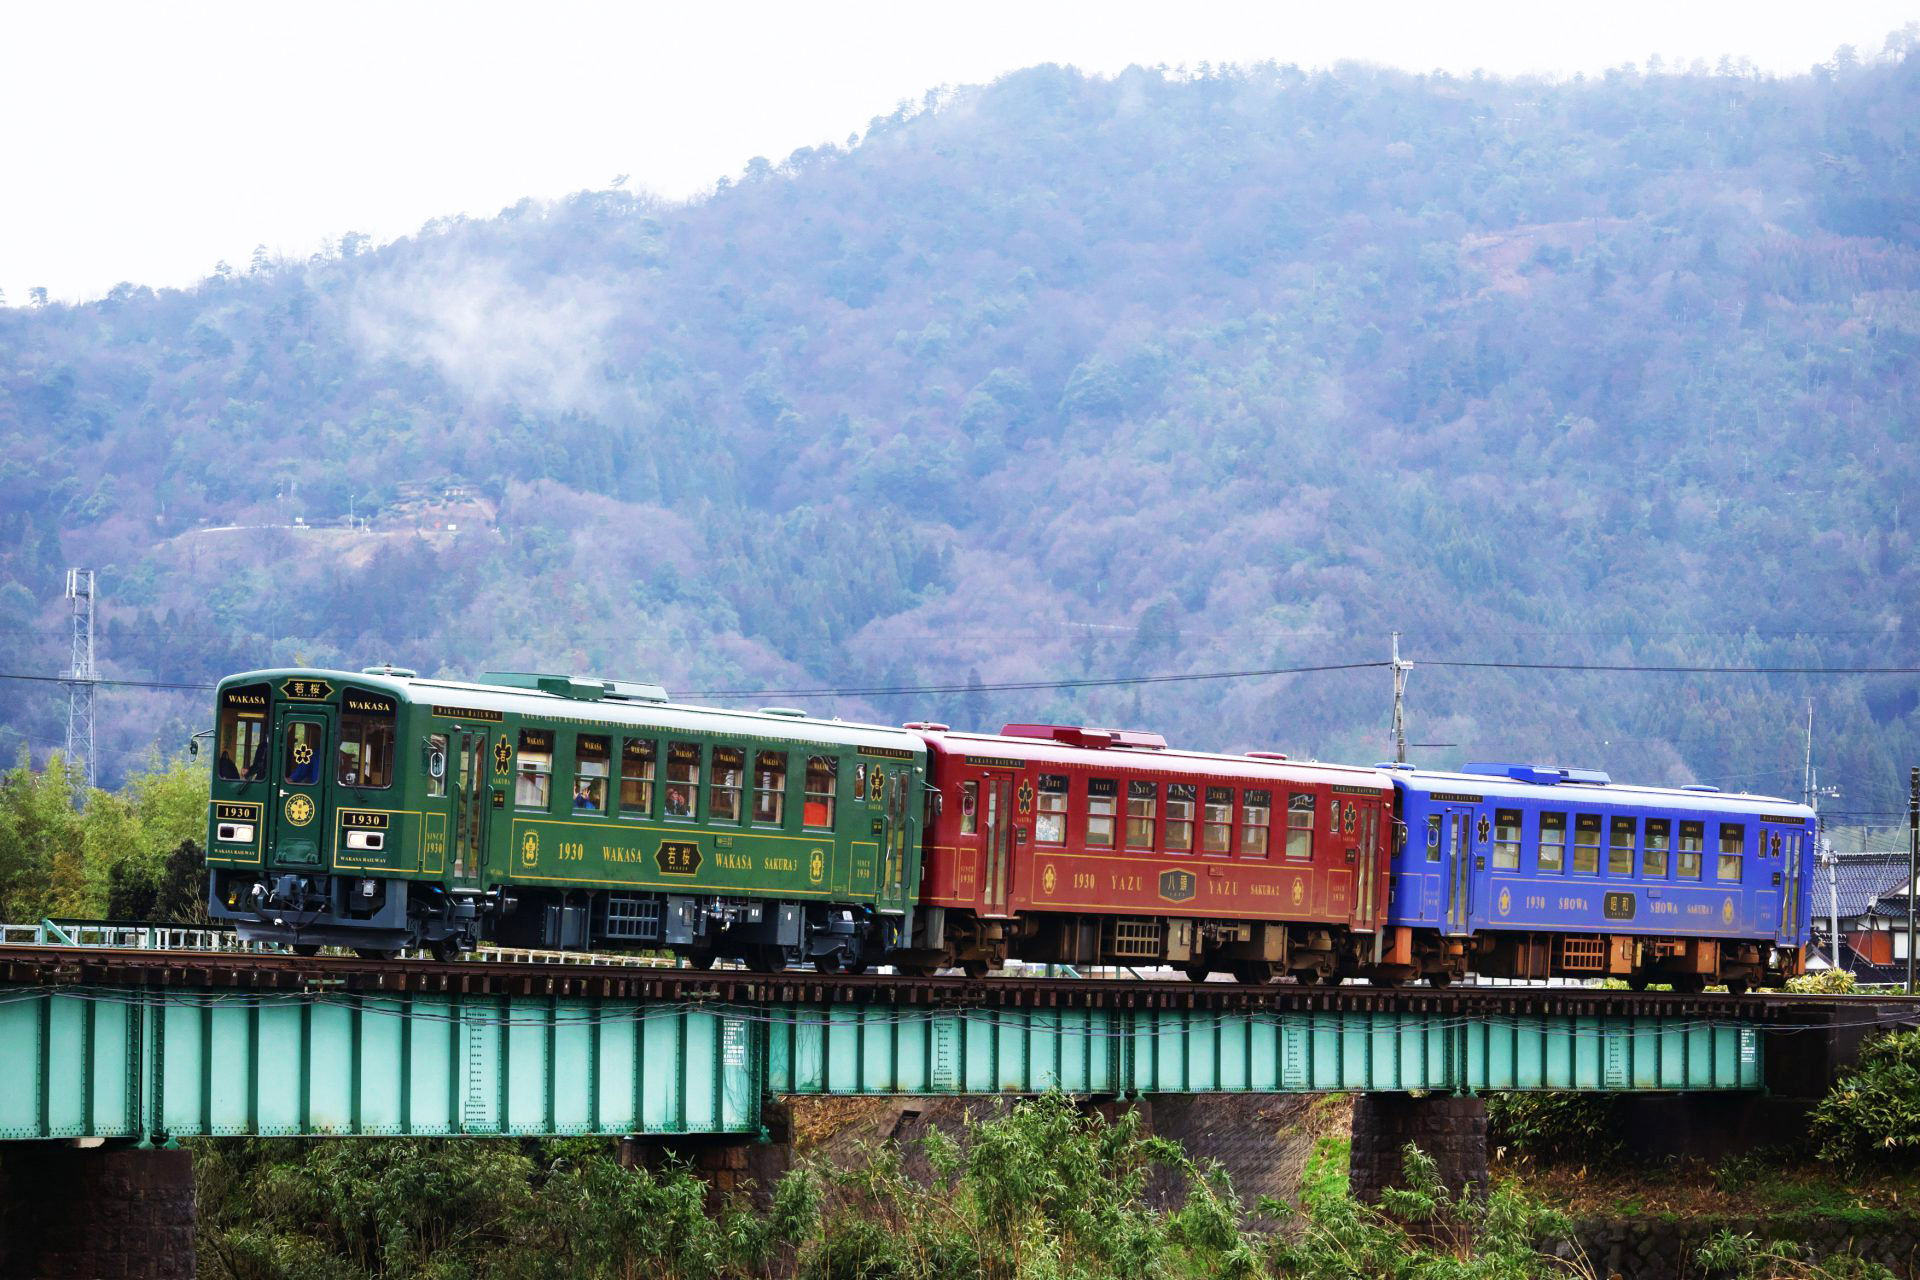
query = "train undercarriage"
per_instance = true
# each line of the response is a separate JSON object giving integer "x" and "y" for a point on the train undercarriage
{"x": 1251, "y": 951}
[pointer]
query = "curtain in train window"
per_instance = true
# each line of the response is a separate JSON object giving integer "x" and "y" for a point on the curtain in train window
{"x": 1102, "y": 796}
{"x": 1050, "y": 826}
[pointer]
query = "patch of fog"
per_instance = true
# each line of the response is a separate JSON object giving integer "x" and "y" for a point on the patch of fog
{"x": 495, "y": 339}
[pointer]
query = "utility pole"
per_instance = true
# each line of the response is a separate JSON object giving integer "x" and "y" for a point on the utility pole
{"x": 80, "y": 684}
{"x": 1913, "y": 860}
{"x": 1400, "y": 670}
{"x": 1822, "y": 847}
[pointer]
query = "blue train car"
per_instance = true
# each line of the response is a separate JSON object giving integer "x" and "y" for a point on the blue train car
{"x": 1529, "y": 871}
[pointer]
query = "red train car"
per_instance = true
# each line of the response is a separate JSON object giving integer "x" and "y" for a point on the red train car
{"x": 1055, "y": 843}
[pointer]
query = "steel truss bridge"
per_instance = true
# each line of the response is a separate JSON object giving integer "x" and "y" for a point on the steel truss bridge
{"x": 149, "y": 1046}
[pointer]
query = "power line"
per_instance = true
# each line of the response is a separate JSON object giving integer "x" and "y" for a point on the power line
{"x": 1704, "y": 671}
{"x": 123, "y": 684}
{"x": 1017, "y": 685}
{"x": 1014, "y": 686}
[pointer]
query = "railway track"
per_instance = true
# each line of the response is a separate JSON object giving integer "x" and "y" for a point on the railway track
{"x": 110, "y": 967}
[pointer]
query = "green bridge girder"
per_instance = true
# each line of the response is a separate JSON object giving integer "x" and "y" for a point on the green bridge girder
{"x": 142, "y": 1064}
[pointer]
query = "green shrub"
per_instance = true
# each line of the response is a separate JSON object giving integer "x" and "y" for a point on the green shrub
{"x": 1552, "y": 1128}
{"x": 1871, "y": 1116}
{"x": 1827, "y": 982}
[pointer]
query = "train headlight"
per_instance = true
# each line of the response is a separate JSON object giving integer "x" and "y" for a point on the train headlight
{"x": 369, "y": 840}
{"x": 234, "y": 833}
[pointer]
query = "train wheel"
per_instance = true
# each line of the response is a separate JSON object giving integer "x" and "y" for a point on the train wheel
{"x": 1253, "y": 975}
{"x": 771, "y": 959}
{"x": 1384, "y": 982}
{"x": 1638, "y": 982}
{"x": 1198, "y": 971}
{"x": 1307, "y": 977}
{"x": 699, "y": 959}
{"x": 446, "y": 950}
{"x": 975, "y": 968}
{"x": 377, "y": 953}
{"x": 1736, "y": 986}
{"x": 306, "y": 948}
{"x": 857, "y": 967}
{"x": 1440, "y": 978}
{"x": 832, "y": 962}
{"x": 918, "y": 970}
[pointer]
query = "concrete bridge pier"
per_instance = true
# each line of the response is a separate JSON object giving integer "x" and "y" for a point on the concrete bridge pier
{"x": 118, "y": 1213}
{"x": 1450, "y": 1128}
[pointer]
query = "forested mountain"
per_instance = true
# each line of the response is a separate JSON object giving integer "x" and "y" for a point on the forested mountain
{"x": 1067, "y": 377}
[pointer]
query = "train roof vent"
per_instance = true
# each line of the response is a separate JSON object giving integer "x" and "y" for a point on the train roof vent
{"x": 791, "y": 713}
{"x": 388, "y": 669}
{"x": 580, "y": 688}
{"x": 1266, "y": 755}
{"x": 1394, "y": 764}
{"x": 927, "y": 726}
{"x": 1699, "y": 786}
{"x": 1539, "y": 775}
{"x": 1080, "y": 736}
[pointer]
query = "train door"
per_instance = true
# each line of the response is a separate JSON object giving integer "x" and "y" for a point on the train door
{"x": 1780, "y": 854}
{"x": 1457, "y": 828}
{"x": 896, "y": 830}
{"x": 297, "y": 830}
{"x": 996, "y": 829}
{"x": 468, "y": 797}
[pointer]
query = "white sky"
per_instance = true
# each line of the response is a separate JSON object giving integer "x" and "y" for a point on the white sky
{"x": 145, "y": 141}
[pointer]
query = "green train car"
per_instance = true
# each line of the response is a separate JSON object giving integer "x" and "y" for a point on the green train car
{"x": 381, "y": 811}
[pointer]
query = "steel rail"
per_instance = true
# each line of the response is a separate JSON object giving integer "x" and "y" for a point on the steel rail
{"x": 107, "y": 967}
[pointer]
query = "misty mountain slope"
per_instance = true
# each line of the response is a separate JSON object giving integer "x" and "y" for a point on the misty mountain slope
{"x": 1067, "y": 377}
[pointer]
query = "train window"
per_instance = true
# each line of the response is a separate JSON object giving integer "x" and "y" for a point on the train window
{"x": 823, "y": 780}
{"x": 1142, "y": 800}
{"x": 1620, "y": 834}
{"x": 1433, "y": 837}
{"x": 683, "y": 779}
{"x": 592, "y": 760}
{"x": 437, "y": 746}
{"x": 1506, "y": 839}
{"x": 535, "y": 785}
{"x": 1653, "y": 863}
{"x": 969, "y": 808}
{"x": 243, "y": 731}
{"x": 1693, "y": 841}
{"x": 1101, "y": 796}
{"x": 1180, "y": 800}
{"x": 366, "y": 739}
{"x": 301, "y": 768}
{"x": 638, "y": 757}
{"x": 724, "y": 767}
{"x": 1256, "y": 816}
{"x": 1051, "y": 826}
{"x": 1586, "y": 844}
{"x": 1216, "y": 832}
{"x": 1300, "y": 825}
{"x": 770, "y": 788}
{"x": 1733, "y": 842}
{"x": 1553, "y": 842}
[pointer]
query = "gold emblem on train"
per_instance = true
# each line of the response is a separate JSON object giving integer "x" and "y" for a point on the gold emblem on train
{"x": 1726, "y": 911}
{"x": 530, "y": 848}
{"x": 299, "y": 809}
{"x": 1299, "y": 891}
{"x": 503, "y": 755}
{"x": 1048, "y": 878}
{"x": 302, "y": 753}
{"x": 817, "y": 867}
{"x": 1506, "y": 900}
